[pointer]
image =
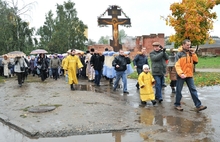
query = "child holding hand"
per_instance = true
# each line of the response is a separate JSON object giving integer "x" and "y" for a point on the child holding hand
{"x": 146, "y": 82}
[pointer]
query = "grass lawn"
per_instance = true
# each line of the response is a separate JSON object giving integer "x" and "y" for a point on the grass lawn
{"x": 208, "y": 62}
{"x": 200, "y": 78}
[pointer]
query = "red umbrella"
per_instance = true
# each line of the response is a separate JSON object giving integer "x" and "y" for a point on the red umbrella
{"x": 38, "y": 51}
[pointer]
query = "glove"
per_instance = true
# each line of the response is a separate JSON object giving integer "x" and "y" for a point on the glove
{"x": 164, "y": 49}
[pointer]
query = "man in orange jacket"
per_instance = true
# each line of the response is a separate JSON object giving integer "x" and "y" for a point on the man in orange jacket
{"x": 185, "y": 60}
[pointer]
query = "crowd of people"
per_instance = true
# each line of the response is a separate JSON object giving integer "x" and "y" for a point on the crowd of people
{"x": 93, "y": 65}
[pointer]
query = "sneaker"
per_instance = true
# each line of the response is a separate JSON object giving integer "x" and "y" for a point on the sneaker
{"x": 160, "y": 100}
{"x": 179, "y": 108}
{"x": 201, "y": 108}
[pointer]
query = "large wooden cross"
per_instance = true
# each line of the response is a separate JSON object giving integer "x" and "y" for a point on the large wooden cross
{"x": 114, "y": 11}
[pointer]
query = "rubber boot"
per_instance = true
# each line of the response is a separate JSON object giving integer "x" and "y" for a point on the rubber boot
{"x": 137, "y": 85}
{"x": 71, "y": 87}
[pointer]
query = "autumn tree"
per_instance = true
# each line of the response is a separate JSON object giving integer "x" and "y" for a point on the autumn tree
{"x": 192, "y": 20}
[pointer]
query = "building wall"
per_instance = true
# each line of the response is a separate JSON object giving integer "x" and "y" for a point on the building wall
{"x": 209, "y": 51}
{"x": 100, "y": 47}
{"x": 145, "y": 41}
{"x": 138, "y": 43}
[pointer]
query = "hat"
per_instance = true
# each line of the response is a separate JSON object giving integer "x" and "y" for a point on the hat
{"x": 156, "y": 44}
{"x": 145, "y": 66}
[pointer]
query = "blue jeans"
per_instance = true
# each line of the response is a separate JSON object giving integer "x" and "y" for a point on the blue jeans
{"x": 98, "y": 75}
{"x": 190, "y": 83}
{"x": 158, "y": 86}
{"x": 121, "y": 74}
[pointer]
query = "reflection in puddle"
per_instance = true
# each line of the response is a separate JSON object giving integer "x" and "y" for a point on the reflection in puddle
{"x": 177, "y": 124}
{"x": 9, "y": 135}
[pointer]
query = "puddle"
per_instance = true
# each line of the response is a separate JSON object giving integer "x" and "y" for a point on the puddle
{"x": 10, "y": 135}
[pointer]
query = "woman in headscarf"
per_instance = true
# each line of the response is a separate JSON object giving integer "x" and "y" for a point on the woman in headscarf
{"x": 43, "y": 66}
{"x": 19, "y": 69}
{"x": 6, "y": 62}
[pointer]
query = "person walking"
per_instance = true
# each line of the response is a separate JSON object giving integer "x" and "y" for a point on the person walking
{"x": 185, "y": 60}
{"x": 158, "y": 64}
{"x": 55, "y": 63}
{"x": 19, "y": 69}
{"x": 120, "y": 63}
{"x": 146, "y": 82}
{"x": 71, "y": 65}
{"x": 97, "y": 61}
{"x": 171, "y": 71}
{"x": 6, "y": 62}
{"x": 43, "y": 66}
{"x": 139, "y": 60}
{"x": 90, "y": 73}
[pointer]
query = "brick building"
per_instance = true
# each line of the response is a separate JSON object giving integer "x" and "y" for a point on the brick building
{"x": 144, "y": 41}
{"x": 134, "y": 45}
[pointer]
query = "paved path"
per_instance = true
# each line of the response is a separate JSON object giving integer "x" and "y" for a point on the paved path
{"x": 208, "y": 70}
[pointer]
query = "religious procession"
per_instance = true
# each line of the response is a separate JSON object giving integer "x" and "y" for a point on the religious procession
{"x": 116, "y": 85}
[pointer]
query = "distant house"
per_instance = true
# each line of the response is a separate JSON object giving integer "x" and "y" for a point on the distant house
{"x": 206, "y": 49}
{"x": 210, "y": 49}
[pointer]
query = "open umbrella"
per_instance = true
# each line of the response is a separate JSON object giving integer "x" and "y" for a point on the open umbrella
{"x": 79, "y": 51}
{"x": 14, "y": 54}
{"x": 38, "y": 51}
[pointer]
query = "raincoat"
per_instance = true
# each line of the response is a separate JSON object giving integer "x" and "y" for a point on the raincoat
{"x": 71, "y": 64}
{"x": 146, "y": 82}
{"x": 5, "y": 62}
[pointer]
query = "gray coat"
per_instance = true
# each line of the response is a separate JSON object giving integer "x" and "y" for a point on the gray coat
{"x": 19, "y": 62}
{"x": 158, "y": 62}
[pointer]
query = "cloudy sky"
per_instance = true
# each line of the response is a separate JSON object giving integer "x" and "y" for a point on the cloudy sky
{"x": 144, "y": 15}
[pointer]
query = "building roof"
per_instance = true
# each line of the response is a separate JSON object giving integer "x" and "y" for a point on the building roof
{"x": 214, "y": 45}
{"x": 206, "y": 45}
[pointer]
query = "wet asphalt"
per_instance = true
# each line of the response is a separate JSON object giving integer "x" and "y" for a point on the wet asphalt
{"x": 92, "y": 112}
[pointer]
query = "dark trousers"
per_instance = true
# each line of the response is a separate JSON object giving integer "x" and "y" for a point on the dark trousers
{"x": 55, "y": 73}
{"x": 173, "y": 83}
{"x": 43, "y": 74}
{"x": 20, "y": 76}
{"x": 98, "y": 75}
{"x": 139, "y": 71}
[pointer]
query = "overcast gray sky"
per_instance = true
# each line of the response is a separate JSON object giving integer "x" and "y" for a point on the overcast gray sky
{"x": 144, "y": 15}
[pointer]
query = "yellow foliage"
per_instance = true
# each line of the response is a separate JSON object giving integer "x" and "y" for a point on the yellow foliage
{"x": 191, "y": 19}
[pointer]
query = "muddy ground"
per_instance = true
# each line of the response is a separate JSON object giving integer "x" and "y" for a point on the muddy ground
{"x": 95, "y": 110}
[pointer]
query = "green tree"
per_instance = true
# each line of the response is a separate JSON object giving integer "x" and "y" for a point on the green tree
{"x": 15, "y": 33}
{"x": 63, "y": 32}
{"x": 91, "y": 42}
{"x": 104, "y": 40}
{"x": 121, "y": 36}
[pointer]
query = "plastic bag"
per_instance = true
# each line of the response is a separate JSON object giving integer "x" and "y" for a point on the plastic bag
{"x": 67, "y": 78}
